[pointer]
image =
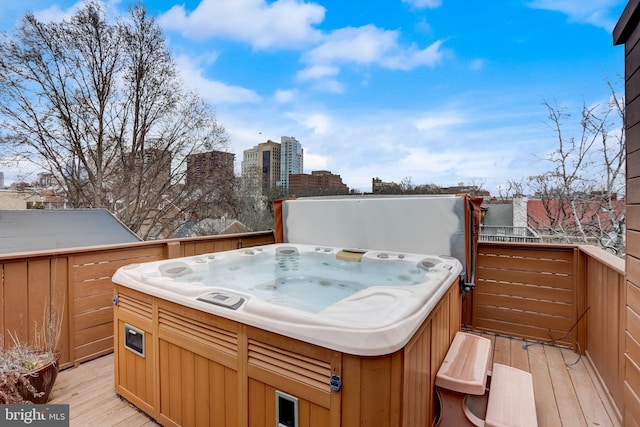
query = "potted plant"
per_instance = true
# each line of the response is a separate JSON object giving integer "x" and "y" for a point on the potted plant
{"x": 28, "y": 371}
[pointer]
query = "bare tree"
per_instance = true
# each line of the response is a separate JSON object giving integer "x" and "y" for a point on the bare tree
{"x": 513, "y": 187}
{"x": 573, "y": 199}
{"x": 99, "y": 104}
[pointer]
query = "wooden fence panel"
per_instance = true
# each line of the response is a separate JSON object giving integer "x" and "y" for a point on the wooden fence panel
{"x": 605, "y": 298}
{"x": 77, "y": 284}
{"x": 16, "y": 303}
{"x": 525, "y": 291}
{"x": 574, "y": 295}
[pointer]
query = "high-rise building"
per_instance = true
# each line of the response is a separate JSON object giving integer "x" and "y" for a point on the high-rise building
{"x": 210, "y": 166}
{"x": 291, "y": 154}
{"x": 261, "y": 165}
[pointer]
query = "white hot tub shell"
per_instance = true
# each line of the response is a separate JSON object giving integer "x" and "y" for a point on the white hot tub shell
{"x": 378, "y": 316}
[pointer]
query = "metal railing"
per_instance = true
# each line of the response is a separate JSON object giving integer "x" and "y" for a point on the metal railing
{"x": 494, "y": 233}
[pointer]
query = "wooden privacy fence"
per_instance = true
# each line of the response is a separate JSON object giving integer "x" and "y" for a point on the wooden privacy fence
{"x": 76, "y": 285}
{"x": 572, "y": 295}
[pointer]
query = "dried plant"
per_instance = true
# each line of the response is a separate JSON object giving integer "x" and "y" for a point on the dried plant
{"x": 11, "y": 384}
{"x": 18, "y": 363}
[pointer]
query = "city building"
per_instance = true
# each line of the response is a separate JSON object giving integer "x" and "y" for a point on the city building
{"x": 269, "y": 165}
{"x": 210, "y": 166}
{"x": 261, "y": 165}
{"x": 291, "y": 161}
{"x": 153, "y": 163}
{"x": 318, "y": 183}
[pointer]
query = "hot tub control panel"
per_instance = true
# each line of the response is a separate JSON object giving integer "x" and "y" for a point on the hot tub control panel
{"x": 222, "y": 299}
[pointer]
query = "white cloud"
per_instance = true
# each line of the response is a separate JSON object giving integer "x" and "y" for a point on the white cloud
{"x": 594, "y": 12}
{"x": 369, "y": 45}
{"x": 438, "y": 122}
{"x": 282, "y": 23}
{"x": 477, "y": 64}
{"x": 55, "y": 13}
{"x": 319, "y": 123}
{"x": 285, "y": 96}
{"x": 424, "y": 4}
{"x": 213, "y": 91}
{"x": 318, "y": 71}
{"x": 314, "y": 162}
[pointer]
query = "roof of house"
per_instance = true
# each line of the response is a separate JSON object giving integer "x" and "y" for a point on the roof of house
{"x": 588, "y": 212}
{"x": 500, "y": 214}
{"x": 209, "y": 226}
{"x": 45, "y": 229}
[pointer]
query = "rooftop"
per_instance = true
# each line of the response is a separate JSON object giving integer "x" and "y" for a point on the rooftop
{"x": 43, "y": 229}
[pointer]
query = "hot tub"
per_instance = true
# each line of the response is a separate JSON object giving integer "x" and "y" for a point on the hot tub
{"x": 360, "y": 302}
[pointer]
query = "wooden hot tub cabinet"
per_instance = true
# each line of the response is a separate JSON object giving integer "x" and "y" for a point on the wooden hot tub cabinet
{"x": 200, "y": 369}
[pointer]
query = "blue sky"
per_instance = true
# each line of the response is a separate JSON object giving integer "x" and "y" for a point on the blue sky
{"x": 438, "y": 91}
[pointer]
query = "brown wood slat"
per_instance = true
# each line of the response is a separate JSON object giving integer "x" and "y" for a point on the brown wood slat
{"x": 202, "y": 339}
{"x": 632, "y": 88}
{"x": 632, "y": 347}
{"x": 524, "y": 291}
{"x": 313, "y": 373}
{"x": 632, "y": 371}
{"x": 192, "y": 328}
{"x": 593, "y": 399}
{"x": 93, "y": 318}
{"x": 570, "y": 410}
{"x": 520, "y": 330}
{"x": 264, "y": 356}
{"x": 567, "y": 393}
{"x": 88, "y": 390}
{"x": 89, "y": 335}
{"x": 632, "y": 111}
{"x": 633, "y": 137}
{"x": 93, "y": 302}
{"x": 526, "y": 264}
{"x": 15, "y": 296}
{"x": 633, "y": 249}
{"x": 633, "y": 191}
{"x": 38, "y": 310}
{"x": 524, "y": 318}
{"x": 531, "y": 305}
{"x": 95, "y": 348}
{"x": 633, "y": 323}
{"x": 633, "y": 162}
{"x": 519, "y": 354}
{"x": 501, "y": 350}
{"x": 104, "y": 269}
{"x": 131, "y": 254}
{"x": 92, "y": 287}
{"x": 633, "y": 301}
{"x": 633, "y": 217}
{"x": 546, "y": 405}
{"x": 535, "y": 278}
{"x": 135, "y": 306}
{"x": 632, "y": 407}
{"x": 559, "y": 253}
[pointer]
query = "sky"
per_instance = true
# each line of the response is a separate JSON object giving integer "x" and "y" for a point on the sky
{"x": 431, "y": 91}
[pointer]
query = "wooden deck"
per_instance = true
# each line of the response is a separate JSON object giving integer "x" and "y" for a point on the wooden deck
{"x": 567, "y": 393}
{"x": 89, "y": 391}
{"x": 566, "y": 388}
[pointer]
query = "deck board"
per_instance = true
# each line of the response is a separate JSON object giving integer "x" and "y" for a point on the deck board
{"x": 567, "y": 391}
{"x": 568, "y": 405}
{"x": 596, "y": 410}
{"x": 89, "y": 391}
